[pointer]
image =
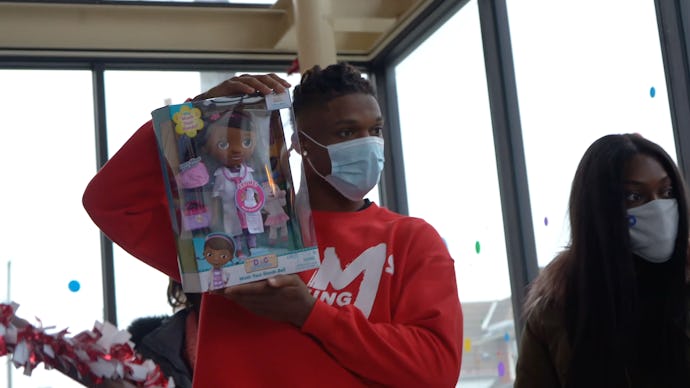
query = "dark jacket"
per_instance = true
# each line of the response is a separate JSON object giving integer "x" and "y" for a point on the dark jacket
{"x": 545, "y": 349}
{"x": 162, "y": 339}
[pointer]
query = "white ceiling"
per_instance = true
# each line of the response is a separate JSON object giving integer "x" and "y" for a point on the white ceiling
{"x": 361, "y": 28}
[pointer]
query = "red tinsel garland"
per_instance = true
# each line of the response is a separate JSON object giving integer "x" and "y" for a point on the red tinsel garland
{"x": 90, "y": 357}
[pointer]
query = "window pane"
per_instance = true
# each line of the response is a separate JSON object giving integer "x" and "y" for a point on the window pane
{"x": 577, "y": 84}
{"x": 450, "y": 170}
{"x": 51, "y": 244}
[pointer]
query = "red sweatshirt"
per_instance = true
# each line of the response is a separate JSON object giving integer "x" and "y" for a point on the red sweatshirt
{"x": 387, "y": 310}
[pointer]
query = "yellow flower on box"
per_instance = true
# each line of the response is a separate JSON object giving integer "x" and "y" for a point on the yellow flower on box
{"x": 188, "y": 121}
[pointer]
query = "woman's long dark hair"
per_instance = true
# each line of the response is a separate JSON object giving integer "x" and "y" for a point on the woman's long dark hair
{"x": 625, "y": 318}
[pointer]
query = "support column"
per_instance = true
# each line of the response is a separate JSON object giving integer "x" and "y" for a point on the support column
{"x": 315, "y": 36}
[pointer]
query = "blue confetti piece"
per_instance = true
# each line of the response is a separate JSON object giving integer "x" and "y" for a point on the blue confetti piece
{"x": 506, "y": 337}
{"x": 632, "y": 221}
{"x": 652, "y": 92}
{"x": 546, "y": 221}
{"x": 74, "y": 286}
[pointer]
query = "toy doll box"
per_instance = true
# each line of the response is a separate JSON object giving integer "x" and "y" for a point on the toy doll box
{"x": 230, "y": 190}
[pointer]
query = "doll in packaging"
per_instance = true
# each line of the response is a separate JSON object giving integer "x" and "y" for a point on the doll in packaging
{"x": 224, "y": 161}
{"x": 231, "y": 140}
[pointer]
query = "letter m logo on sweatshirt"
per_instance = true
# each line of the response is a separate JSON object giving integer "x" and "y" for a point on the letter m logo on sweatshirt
{"x": 369, "y": 264}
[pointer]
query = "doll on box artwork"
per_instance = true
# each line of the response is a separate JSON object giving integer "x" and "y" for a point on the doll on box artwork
{"x": 219, "y": 250}
{"x": 230, "y": 140}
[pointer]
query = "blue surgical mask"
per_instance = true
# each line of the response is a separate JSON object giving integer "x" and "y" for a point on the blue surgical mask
{"x": 356, "y": 165}
{"x": 653, "y": 229}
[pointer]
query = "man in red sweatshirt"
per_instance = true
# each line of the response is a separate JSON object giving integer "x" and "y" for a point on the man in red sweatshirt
{"x": 382, "y": 309}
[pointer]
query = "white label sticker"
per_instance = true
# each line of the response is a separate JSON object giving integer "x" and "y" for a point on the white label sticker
{"x": 278, "y": 101}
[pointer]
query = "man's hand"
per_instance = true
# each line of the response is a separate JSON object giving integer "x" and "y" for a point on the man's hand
{"x": 246, "y": 84}
{"x": 282, "y": 298}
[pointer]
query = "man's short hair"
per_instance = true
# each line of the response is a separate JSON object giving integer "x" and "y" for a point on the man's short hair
{"x": 319, "y": 86}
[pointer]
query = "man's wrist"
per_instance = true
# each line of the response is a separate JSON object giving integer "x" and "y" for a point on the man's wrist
{"x": 309, "y": 306}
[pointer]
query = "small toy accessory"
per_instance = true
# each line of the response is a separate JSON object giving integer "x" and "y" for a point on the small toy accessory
{"x": 193, "y": 174}
{"x": 195, "y": 216}
{"x": 276, "y": 218}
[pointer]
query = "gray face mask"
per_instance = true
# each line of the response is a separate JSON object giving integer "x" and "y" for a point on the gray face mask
{"x": 653, "y": 229}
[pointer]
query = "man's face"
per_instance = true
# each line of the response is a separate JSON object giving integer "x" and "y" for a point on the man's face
{"x": 344, "y": 118}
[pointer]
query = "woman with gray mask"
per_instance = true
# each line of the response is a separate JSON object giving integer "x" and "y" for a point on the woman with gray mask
{"x": 611, "y": 309}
